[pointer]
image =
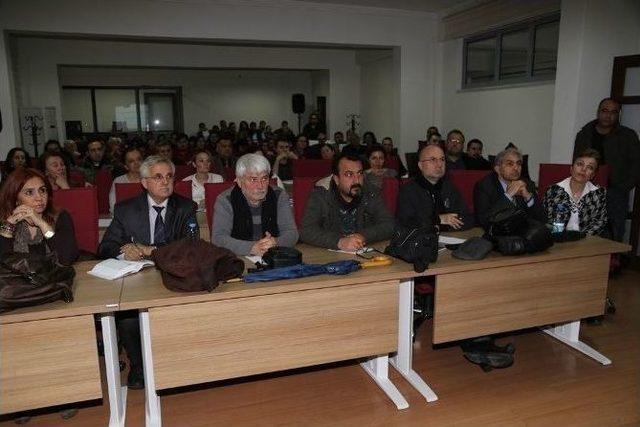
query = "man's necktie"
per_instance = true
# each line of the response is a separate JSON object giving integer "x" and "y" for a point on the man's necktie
{"x": 159, "y": 236}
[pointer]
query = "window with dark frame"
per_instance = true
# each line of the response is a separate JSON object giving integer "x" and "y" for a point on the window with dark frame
{"x": 519, "y": 53}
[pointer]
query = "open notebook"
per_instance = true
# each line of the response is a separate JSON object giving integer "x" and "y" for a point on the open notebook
{"x": 112, "y": 268}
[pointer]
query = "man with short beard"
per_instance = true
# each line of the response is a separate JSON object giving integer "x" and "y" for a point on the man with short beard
{"x": 346, "y": 215}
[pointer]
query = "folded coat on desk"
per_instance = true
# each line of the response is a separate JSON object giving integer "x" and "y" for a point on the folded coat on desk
{"x": 112, "y": 268}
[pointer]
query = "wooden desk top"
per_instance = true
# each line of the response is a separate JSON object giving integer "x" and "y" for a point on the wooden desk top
{"x": 91, "y": 295}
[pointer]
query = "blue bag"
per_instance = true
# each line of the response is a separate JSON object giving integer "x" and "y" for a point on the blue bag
{"x": 303, "y": 270}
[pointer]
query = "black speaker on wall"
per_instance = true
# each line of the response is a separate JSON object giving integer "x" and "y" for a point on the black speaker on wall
{"x": 297, "y": 103}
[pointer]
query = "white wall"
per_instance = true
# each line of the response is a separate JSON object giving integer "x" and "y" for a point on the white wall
{"x": 376, "y": 93}
{"x": 496, "y": 116}
{"x": 209, "y": 95}
{"x": 257, "y": 21}
{"x": 592, "y": 33}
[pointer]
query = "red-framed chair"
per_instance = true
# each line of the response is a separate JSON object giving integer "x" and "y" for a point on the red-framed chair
{"x": 77, "y": 178}
{"x": 183, "y": 188}
{"x": 390, "y": 188}
{"x": 211, "y": 193}
{"x": 465, "y": 181}
{"x": 311, "y": 168}
{"x": 127, "y": 190}
{"x": 302, "y": 187}
{"x": 82, "y": 205}
{"x": 103, "y": 183}
{"x": 551, "y": 173}
{"x": 183, "y": 171}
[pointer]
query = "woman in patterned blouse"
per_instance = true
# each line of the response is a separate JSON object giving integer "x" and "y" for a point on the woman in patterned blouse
{"x": 576, "y": 201}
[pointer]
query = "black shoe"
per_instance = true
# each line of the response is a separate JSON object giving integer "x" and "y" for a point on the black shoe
{"x": 68, "y": 413}
{"x": 135, "y": 379}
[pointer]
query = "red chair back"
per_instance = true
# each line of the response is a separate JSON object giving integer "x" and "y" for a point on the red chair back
{"x": 390, "y": 193}
{"x": 300, "y": 194}
{"x": 211, "y": 193}
{"x": 313, "y": 168}
{"x": 77, "y": 178}
{"x": 183, "y": 171}
{"x": 465, "y": 181}
{"x": 82, "y": 205}
{"x": 551, "y": 173}
{"x": 103, "y": 182}
{"x": 183, "y": 188}
{"x": 128, "y": 190}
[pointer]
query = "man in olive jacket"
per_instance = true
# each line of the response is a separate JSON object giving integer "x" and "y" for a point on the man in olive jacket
{"x": 619, "y": 148}
{"x": 346, "y": 215}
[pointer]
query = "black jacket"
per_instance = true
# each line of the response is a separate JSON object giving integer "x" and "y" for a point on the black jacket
{"x": 416, "y": 208}
{"x": 488, "y": 193}
{"x": 131, "y": 223}
{"x": 621, "y": 152}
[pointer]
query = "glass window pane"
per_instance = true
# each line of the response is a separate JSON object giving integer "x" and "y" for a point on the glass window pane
{"x": 632, "y": 82}
{"x": 76, "y": 107}
{"x": 514, "y": 54}
{"x": 481, "y": 59}
{"x": 159, "y": 109}
{"x": 116, "y": 110}
{"x": 545, "y": 54}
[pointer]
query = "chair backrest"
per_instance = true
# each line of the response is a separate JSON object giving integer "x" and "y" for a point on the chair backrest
{"x": 211, "y": 193}
{"x": 127, "y": 190}
{"x": 412, "y": 163}
{"x": 77, "y": 178}
{"x": 183, "y": 188}
{"x": 300, "y": 194}
{"x": 551, "y": 173}
{"x": 390, "y": 193}
{"x": 183, "y": 171}
{"x": 82, "y": 205}
{"x": 103, "y": 182}
{"x": 311, "y": 168}
{"x": 465, "y": 181}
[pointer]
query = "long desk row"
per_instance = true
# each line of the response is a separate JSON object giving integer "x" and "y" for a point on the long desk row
{"x": 49, "y": 354}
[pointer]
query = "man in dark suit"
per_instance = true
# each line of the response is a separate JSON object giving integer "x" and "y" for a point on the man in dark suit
{"x": 505, "y": 185}
{"x": 139, "y": 225}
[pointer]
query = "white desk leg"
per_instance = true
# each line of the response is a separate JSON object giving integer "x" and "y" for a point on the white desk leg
{"x": 569, "y": 333}
{"x": 152, "y": 400}
{"x": 403, "y": 360}
{"x": 378, "y": 369}
{"x": 117, "y": 393}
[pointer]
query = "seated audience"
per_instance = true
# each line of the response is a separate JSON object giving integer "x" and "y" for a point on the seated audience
{"x": 95, "y": 161}
{"x": 165, "y": 150}
{"x": 338, "y": 138}
{"x": 71, "y": 148}
{"x": 252, "y": 216}
{"x": 377, "y": 170}
{"x": 17, "y": 158}
{"x": 431, "y": 130}
{"x": 283, "y": 164}
{"x": 313, "y": 127}
{"x": 576, "y": 201}
{"x": 354, "y": 148}
{"x": 55, "y": 170}
{"x": 430, "y": 199}
{"x": 29, "y": 222}
{"x": 392, "y": 159}
{"x": 473, "y": 159}
{"x": 155, "y": 217}
{"x": 284, "y": 132}
{"x": 202, "y": 161}
{"x": 453, "y": 149}
{"x": 301, "y": 147}
{"x": 506, "y": 185}
{"x": 369, "y": 139}
{"x": 224, "y": 160}
{"x": 132, "y": 160}
{"x": 182, "y": 153}
{"x": 327, "y": 152}
{"x": 346, "y": 214}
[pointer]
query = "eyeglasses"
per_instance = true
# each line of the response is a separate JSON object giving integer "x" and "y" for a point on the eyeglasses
{"x": 257, "y": 179}
{"x": 433, "y": 159}
{"x": 159, "y": 178}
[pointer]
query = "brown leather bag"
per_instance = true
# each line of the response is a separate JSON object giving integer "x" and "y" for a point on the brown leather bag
{"x": 195, "y": 265}
{"x": 32, "y": 279}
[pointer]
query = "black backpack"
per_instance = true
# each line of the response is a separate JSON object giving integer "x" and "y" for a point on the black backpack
{"x": 418, "y": 246}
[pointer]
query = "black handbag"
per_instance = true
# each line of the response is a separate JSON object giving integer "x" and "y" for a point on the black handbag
{"x": 31, "y": 279}
{"x": 506, "y": 219}
{"x": 418, "y": 246}
{"x": 281, "y": 256}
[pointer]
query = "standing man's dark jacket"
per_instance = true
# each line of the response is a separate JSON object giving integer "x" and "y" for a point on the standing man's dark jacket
{"x": 621, "y": 152}
{"x": 131, "y": 223}
{"x": 419, "y": 205}
{"x": 488, "y": 194}
{"x": 321, "y": 224}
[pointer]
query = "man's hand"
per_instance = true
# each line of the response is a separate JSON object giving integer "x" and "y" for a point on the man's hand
{"x": 452, "y": 220}
{"x": 133, "y": 252}
{"x": 518, "y": 188}
{"x": 263, "y": 245}
{"x": 352, "y": 242}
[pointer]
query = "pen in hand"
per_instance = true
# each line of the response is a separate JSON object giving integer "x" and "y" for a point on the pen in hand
{"x": 133, "y": 240}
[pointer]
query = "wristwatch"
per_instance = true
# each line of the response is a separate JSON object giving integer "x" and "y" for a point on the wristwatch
{"x": 49, "y": 234}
